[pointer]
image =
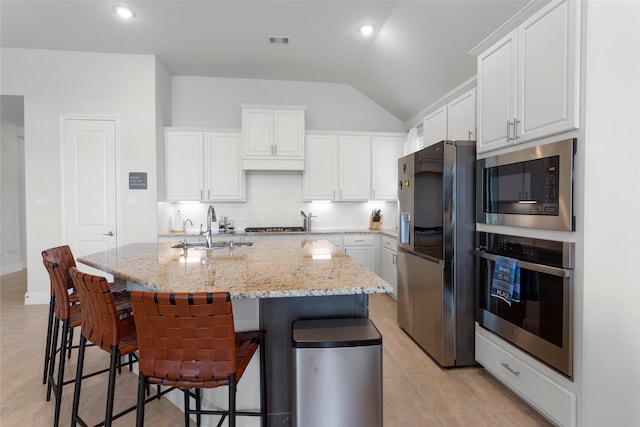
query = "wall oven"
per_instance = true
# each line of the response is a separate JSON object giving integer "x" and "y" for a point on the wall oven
{"x": 540, "y": 322}
{"x": 531, "y": 188}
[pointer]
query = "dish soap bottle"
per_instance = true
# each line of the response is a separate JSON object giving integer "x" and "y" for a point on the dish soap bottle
{"x": 177, "y": 221}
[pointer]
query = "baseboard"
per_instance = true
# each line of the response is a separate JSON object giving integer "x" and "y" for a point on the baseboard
{"x": 11, "y": 268}
{"x": 33, "y": 298}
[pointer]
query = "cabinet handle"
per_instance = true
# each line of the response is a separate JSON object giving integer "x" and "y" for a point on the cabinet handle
{"x": 516, "y": 122}
{"x": 393, "y": 259}
{"x": 374, "y": 193}
{"x": 201, "y": 194}
{"x": 208, "y": 194}
{"x": 359, "y": 240}
{"x": 508, "y": 131}
{"x": 510, "y": 369}
{"x": 469, "y": 133}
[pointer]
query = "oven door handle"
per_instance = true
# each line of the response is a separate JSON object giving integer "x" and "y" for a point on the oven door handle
{"x": 541, "y": 268}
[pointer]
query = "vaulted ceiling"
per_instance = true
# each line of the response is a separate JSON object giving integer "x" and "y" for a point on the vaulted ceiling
{"x": 418, "y": 52}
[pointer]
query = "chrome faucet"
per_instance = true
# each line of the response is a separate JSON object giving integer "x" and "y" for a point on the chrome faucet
{"x": 211, "y": 217}
{"x": 184, "y": 229}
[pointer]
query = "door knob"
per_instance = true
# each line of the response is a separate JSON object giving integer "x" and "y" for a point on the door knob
{"x": 108, "y": 234}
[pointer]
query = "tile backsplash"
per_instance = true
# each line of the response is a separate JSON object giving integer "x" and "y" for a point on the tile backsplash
{"x": 274, "y": 199}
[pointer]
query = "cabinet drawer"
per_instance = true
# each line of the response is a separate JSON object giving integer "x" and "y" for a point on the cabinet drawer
{"x": 551, "y": 399}
{"x": 389, "y": 243}
{"x": 358, "y": 239}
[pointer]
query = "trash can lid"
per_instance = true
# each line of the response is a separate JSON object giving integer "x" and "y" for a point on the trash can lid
{"x": 332, "y": 333}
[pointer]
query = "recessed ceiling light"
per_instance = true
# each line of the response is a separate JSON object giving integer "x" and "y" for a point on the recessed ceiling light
{"x": 123, "y": 12}
{"x": 367, "y": 29}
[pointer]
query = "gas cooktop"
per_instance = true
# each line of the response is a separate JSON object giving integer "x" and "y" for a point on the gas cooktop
{"x": 272, "y": 229}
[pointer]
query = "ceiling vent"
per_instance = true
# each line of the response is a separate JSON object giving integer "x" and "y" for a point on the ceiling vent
{"x": 278, "y": 40}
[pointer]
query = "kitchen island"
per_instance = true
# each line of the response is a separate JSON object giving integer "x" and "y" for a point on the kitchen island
{"x": 279, "y": 281}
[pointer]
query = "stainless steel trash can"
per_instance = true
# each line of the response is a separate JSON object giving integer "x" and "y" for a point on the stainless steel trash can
{"x": 337, "y": 373}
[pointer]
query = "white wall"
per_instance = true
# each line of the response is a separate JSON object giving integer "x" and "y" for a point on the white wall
{"x": 12, "y": 186}
{"x": 55, "y": 83}
{"x": 215, "y": 102}
{"x": 611, "y": 279}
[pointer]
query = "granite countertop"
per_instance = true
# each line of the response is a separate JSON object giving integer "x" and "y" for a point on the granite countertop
{"x": 267, "y": 269}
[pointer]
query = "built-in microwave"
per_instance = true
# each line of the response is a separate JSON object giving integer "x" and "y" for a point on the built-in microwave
{"x": 531, "y": 188}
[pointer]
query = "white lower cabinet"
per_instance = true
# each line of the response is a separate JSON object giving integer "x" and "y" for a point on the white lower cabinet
{"x": 361, "y": 247}
{"x": 389, "y": 262}
{"x": 550, "y": 398}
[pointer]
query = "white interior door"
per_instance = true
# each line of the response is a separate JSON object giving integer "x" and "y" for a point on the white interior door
{"x": 90, "y": 185}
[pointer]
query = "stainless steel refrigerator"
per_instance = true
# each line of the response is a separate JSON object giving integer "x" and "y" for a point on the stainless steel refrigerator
{"x": 435, "y": 242}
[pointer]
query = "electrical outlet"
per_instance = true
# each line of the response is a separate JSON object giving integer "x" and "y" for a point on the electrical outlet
{"x": 41, "y": 202}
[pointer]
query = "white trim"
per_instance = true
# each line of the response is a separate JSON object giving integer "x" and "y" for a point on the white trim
{"x": 354, "y": 133}
{"x": 202, "y": 129}
{"x": 33, "y": 298}
{"x": 12, "y": 268}
{"x": 525, "y": 13}
{"x": 63, "y": 185}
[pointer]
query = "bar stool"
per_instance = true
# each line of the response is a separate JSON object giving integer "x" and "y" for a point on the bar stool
{"x": 188, "y": 340}
{"x": 69, "y": 314}
{"x": 101, "y": 325}
{"x": 63, "y": 256}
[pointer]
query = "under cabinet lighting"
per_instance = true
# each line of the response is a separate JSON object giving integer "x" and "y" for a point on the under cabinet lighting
{"x": 123, "y": 12}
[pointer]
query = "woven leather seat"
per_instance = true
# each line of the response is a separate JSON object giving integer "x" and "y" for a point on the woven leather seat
{"x": 63, "y": 256}
{"x": 188, "y": 340}
{"x": 102, "y": 325}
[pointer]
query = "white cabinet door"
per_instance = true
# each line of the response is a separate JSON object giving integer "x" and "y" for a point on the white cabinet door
{"x": 288, "y": 133}
{"x": 362, "y": 254}
{"x": 257, "y": 132}
{"x": 184, "y": 165}
{"x": 355, "y": 167}
{"x": 224, "y": 178}
{"x": 389, "y": 269}
{"x": 461, "y": 117}
{"x": 435, "y": 126}
{"x": 548, "y": 91}
{"x": 385, "y": 151}
{"x": 496, "y": 94}
{"x": 320, "y": 168}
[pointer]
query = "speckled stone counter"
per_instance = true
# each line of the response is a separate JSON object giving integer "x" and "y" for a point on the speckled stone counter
{"x": 267, "y": 269}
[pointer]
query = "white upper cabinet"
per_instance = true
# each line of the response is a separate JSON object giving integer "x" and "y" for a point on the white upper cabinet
{"x": 385, "y": 151}
{"x": 184, "y": 165}
{"x": 354, "y": 167}
{"x": 461, "y": 117}
{"x": 273, "y": 138}
{"x": 257, "y": 132}
{"x": 528, "y": 82}
{"x": 434, "y": 126}
{"x": 320, "y": 169}
{"x": 496, "y": 94}
{"x": 203, "y": 166}
{"x": 224, "y": 179}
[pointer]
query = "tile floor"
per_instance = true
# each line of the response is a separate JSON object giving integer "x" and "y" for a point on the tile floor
{"x": 417, "y": 393}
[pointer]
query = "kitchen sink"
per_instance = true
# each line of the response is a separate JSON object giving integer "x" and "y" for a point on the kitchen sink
{"x": 214, "y": 245}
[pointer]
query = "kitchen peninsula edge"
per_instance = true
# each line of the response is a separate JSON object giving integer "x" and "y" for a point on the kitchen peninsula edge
{"x": 290, "y": 279}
